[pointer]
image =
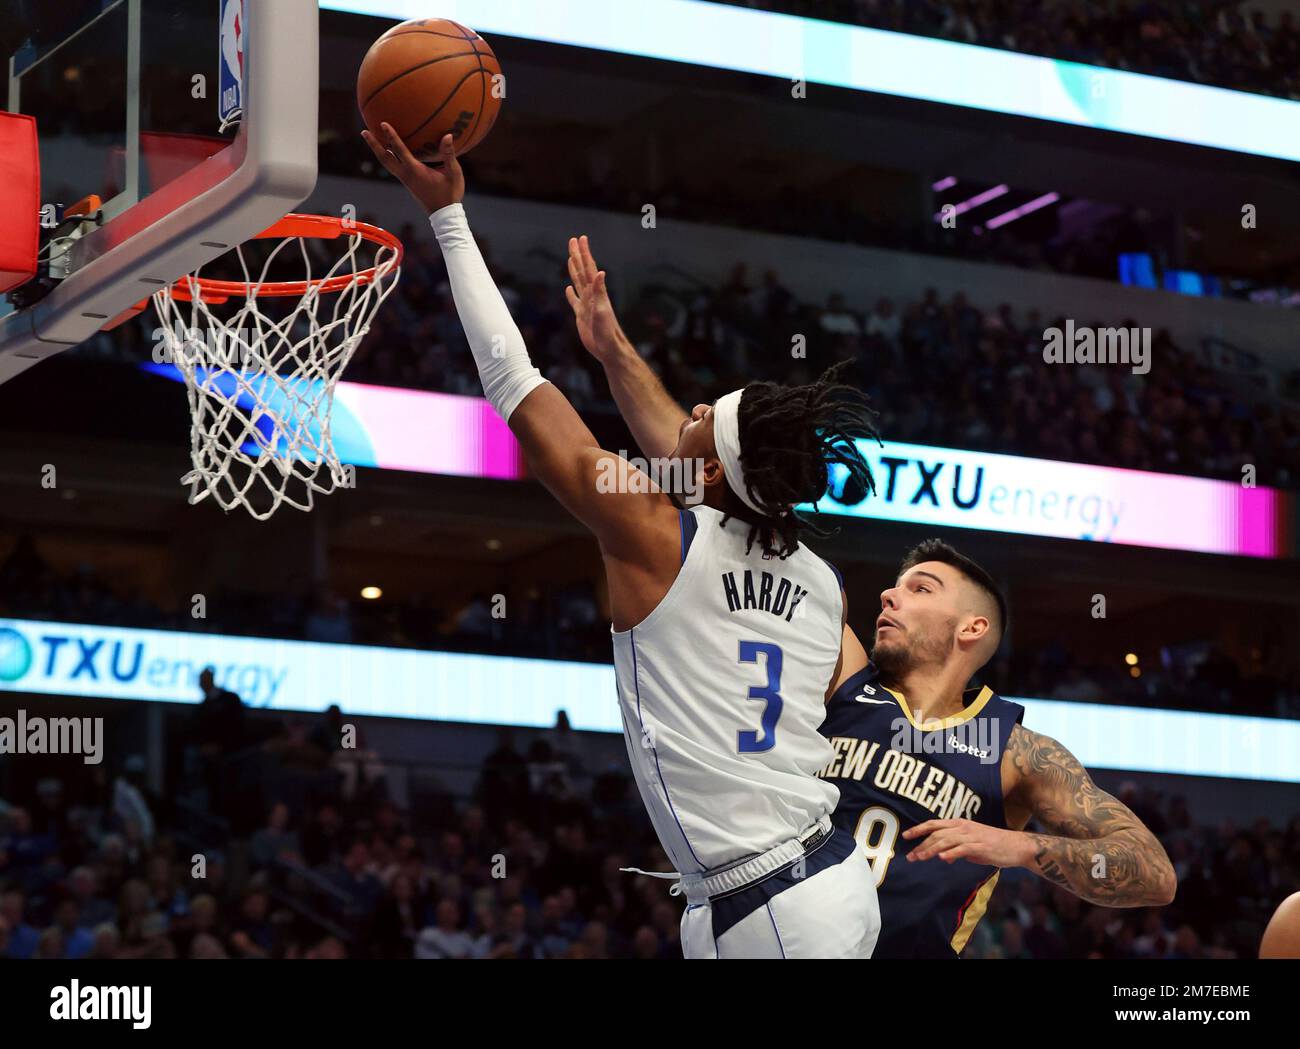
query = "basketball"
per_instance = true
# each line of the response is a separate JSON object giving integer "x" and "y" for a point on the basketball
{"x": 428, "y": 77}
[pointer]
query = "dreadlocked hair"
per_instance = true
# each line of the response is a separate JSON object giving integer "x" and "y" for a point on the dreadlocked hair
{"x": 790, "y": 437}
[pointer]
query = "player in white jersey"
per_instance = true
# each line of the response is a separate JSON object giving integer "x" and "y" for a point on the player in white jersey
{"x": 727, "y": 630}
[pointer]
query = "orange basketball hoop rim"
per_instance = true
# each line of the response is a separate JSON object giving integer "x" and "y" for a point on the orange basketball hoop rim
{"x": 315, "y": 227}
{"x": 247, "y": 366}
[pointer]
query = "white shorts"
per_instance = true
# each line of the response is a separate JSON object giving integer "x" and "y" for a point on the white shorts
{"x": 823, "y": 907}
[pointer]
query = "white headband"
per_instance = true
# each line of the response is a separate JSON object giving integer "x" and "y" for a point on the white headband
{"x": 726, "y": 438}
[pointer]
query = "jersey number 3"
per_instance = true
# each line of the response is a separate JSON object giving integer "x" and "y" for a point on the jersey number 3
{"x": 751, "y": 742}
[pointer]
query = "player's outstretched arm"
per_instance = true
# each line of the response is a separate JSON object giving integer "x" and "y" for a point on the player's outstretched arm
{"x": 652, "y": 415}
{"x": 1099, "y": 850}
{"x": 597, "y": 487}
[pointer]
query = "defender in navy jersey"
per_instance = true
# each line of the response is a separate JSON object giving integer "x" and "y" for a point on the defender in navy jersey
{"x": 892, "y": 776}
{"x": 937, "y": 781}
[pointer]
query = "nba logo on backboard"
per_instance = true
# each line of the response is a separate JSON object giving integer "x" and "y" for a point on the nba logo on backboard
{"x": 232, "y": 59}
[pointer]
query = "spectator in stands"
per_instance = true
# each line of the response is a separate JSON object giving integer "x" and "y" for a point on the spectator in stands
{"x": 26, "y": 848}
{"x": 50, "y": 815}
{"x": 321, "y": 836}
{"x": 93, "y": 910}
{"x": 554, "y": 935}
{"x": 771, "y": 302}
{"x": 514, "y": 940}
{"x": 446, "y": 939}
{"x": 1155, "y": 941}
{"x": 220, "y": 728}
{"x": 838, "y": 319}
{"x": 1012, "y": 943}
{"x": 50, "y": 944}
{"x": 351, "y": 875}
{"x": 327, "y": 732}
{"x": 107, "y": 942}
{"x": 1187, "y": 944}
{"x": 645, "y": 944}
{"x": 274, "y": 840}
{"x": 883, "y": 322}
{"x": 206, "y": 946}
{"x": 1042, "y": 936}
{"x": 399, "y": 919}
{"x": 667, "y": 923}
{"x": 75, "y": 940}
{"x": 204, "y": 919}
{"x": 251, "y": 935}
{"x": 595, "y": 940}
{"x": 504, "y": 782}
{"x": 22, "y": 937}
{"x": 129, "y": 806}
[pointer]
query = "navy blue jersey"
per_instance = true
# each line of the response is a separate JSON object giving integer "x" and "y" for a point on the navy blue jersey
{"x": 893, "y": 776}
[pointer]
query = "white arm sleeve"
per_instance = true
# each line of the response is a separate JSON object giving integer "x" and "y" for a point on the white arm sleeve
{"x": 503, "y": 363}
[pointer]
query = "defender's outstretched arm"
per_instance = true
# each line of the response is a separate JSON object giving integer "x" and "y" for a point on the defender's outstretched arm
{"x": 652, "y": 415}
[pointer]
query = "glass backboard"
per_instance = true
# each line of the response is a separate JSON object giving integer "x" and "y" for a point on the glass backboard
{"x": 193, "y": 121}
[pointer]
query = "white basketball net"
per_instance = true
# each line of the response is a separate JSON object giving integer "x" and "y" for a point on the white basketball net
{"x": 261, "y": 379}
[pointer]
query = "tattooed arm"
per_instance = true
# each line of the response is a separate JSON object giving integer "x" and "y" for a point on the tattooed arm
{"x": 1097, "y": 849}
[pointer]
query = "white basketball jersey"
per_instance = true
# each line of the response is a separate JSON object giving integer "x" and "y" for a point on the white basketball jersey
{"x": 722, "y": 688}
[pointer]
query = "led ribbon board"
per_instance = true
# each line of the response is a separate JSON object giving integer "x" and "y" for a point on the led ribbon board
{"x": 440, "y": 433}
{"x": 67, "y": 659}
{"x": 899, "y": 64}
{"x": 395, "y": 429}
{"x": 1008, "y": 493}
